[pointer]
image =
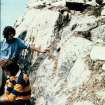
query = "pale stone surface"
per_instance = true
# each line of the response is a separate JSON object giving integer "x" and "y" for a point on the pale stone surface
{"x": 40, "y": 101}
{"x": 34, "y": 3}
{"x": 84, "y": 23}
{"x": 35, "y": 24}
{"x": 61, "y": 77}
{"x": 83, "y": 103}
{"x": 61, "y": 3}
{"x": 91, "y": 2}
{"x": 98, "y": 53}
{"x": 78, "y": 1}
{"x": 98, "y": 33}
{"x": 70, "y": 51}
{"x": 80, "y": 23}
{"x": 78, "y": 74}
{"x": 103, "y": 11}
{"x": 48, "y": 80}
{"x": 103, "y": 66}
{"x": 101, "y": 93}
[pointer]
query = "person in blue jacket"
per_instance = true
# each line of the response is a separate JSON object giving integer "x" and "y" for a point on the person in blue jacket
{"x": 11, "y": 47}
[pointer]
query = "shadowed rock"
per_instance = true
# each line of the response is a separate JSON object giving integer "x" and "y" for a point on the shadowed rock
{"x": 23, "y": 35}
{"x": 77, "y": 6}
{"x": 99, "y": 2}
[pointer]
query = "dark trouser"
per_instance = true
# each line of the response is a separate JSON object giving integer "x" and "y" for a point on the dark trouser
{"x": 21, "y": 102}
{"x": 18, "y": 102}
{"x": 2, "y": 81}
{"x": 5, "y": 103}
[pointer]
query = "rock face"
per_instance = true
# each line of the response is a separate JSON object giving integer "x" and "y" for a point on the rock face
{"x": 103, "y": 67}
{"x": 72, "y": 73}
{"x": 98, "y": 53}
{"x": 83, "y": 103}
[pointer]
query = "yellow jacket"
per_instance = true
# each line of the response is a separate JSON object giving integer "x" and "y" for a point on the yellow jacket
{"x": 18, "y": 87}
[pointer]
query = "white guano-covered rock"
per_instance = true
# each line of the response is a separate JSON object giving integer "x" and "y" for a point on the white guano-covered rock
{"x": 83, "y": 103}
{"x": 98, "y": 53}
{"x": 78, "y": 74}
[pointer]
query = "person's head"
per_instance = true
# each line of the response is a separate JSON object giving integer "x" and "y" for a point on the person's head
{"x": 11, "y": 68}
{"x": 9, "y": 32}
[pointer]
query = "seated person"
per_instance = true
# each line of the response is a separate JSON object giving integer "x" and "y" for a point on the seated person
{"x": 17, "y": 87}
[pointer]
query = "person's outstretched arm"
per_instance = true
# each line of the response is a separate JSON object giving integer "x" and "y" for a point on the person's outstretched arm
{"x": 39, "y": 50}
{"x": 23, "y": 45}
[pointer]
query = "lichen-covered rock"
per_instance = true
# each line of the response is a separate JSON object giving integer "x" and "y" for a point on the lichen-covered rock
{"x": 83, "y": 103}
{"x": 98, "y": 33}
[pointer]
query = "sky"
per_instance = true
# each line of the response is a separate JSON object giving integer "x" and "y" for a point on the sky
{"x": 10, "y": 11}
